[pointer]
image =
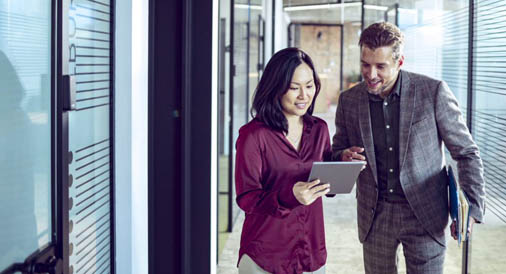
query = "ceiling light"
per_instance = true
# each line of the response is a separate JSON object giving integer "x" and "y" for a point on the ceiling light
{"x": 322, "y": 6}
{"x": 374, "y": 7}
{"x": 246, "y": 6}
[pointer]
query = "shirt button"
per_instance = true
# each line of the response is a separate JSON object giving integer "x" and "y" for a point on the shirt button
{"x": 391, "y": 190}
{"x": 388, "y": 126}
{"x": 391, "y": 170}
{"x": 386, "y": 104}
{"x": 390, "y": 148}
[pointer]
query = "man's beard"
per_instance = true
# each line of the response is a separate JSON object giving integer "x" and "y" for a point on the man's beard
{"x": 381, "y": 91}
{"x": 378, "y": 91}
{"x": 375, "y": 92}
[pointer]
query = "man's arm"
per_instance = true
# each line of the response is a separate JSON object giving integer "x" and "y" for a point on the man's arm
{"x": 458, "y": 140}
{"x": 340, "y": 140}
{"x": 341, "y": 150}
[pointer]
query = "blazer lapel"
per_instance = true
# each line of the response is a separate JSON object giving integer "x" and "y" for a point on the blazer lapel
{"x": 406, "y": 111}
{"x": 364, "y": 120}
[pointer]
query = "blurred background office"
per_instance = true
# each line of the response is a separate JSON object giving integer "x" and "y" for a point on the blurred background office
{"x": 456, "y": 41}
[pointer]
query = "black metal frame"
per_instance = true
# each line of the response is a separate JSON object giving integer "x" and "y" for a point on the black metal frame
{"x": 470, "y": 63}
{"x": 112, "y": 115}
{"x": 467, "y": 247}
{"x": 273, "y": 26}
{"x": 179, "y": 132}
{"x": 231, "y": 124}
{"x": 362, "y": 16}
{"x": 341, "y": 26}
{"x": 248, "y": 30}
{"x": 261, "y": 46}
{"x": 394, "y": 7}
{"x": 62, "y": 69}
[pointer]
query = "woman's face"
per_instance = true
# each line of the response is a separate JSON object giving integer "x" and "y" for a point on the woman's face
{"x": 299, "y": 96}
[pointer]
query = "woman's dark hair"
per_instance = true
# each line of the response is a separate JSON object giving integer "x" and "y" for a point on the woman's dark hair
{"x": 274, "y": 84}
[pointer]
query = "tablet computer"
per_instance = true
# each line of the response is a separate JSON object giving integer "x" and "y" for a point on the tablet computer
{"x": 340, "y": 175}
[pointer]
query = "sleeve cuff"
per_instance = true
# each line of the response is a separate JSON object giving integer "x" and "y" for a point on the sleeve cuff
{"x": 287, "y": 199}
{"x": 476, "y": 214}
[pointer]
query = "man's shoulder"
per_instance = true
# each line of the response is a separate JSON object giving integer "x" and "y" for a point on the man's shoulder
{"x": 354, "y": 92}
{"x": 419, "y": 78}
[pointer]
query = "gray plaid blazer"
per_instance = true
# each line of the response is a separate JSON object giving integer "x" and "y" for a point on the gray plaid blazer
{"x": 429, "y": 117}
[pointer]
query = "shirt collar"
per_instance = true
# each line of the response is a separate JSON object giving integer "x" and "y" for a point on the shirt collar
{"x": 308, "y": 121}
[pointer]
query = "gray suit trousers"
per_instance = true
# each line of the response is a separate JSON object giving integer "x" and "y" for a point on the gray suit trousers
{"x": 394, "y": 224}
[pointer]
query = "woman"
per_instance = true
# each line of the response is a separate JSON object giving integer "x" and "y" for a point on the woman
{"x": 283, "y": 231}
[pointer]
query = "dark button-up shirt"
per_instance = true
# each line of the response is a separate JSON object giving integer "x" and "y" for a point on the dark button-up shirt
{"x": 280, "y": 234}
{"x": 385, "y": 129}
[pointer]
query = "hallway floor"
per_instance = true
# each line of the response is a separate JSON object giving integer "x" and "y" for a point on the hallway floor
{"x": 345, "y": 251}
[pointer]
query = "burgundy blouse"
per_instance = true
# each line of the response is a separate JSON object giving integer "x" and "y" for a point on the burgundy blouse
{"x": 280, "y": 234}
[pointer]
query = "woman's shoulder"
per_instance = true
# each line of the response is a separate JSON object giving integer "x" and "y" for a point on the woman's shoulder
{"x": 316, "y": 122}
{"x": 254, "y": 134}
{"x": 254, "y": 129}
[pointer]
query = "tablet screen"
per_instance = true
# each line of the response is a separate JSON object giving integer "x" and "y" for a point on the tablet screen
{"x": 340, "y": 175}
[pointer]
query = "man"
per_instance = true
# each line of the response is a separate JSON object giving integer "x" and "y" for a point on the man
{"x": 398, "y": 122}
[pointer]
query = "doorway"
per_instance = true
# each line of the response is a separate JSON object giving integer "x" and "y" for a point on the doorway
{"x": 57, "y": 191}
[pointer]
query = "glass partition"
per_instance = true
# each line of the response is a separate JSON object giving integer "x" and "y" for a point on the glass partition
{"x": 245, "y": 73}
{"x": 89, "y": 137}
{"x": 241, "y": 31}
{"x": 489, "y": 130}
{"x": 437, "y": 45}
{"x": 26, "y": 121}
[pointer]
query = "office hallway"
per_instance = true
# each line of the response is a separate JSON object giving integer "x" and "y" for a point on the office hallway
{"x": 345, "y": 251}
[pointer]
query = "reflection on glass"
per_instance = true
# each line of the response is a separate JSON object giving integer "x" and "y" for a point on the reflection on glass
{"x": 246, "y": 55}
{"x": 25, "y": 139}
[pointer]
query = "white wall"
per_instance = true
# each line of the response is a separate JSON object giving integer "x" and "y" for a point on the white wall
{"x": 280, "y": 29}
{"x": 267, "y": 14}
{"x": 131, "y": 96}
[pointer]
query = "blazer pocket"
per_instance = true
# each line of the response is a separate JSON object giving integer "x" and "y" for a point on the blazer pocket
{"x": 419, "y": 121}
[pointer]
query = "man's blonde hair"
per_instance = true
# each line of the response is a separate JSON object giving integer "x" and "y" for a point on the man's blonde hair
{"x": 383, "y": 34}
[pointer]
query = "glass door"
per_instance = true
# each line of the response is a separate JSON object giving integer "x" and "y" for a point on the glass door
{"x": 247, "y": 50}
{"x": 27, "y": 227}
{"x": 55, "y": 145}
{"x": 89, "y": 136}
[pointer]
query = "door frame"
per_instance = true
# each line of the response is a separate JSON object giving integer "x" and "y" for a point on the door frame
{"x": 180, "y": 136}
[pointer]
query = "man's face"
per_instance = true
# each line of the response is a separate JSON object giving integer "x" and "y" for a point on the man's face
{"x": 379, "y": 69}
